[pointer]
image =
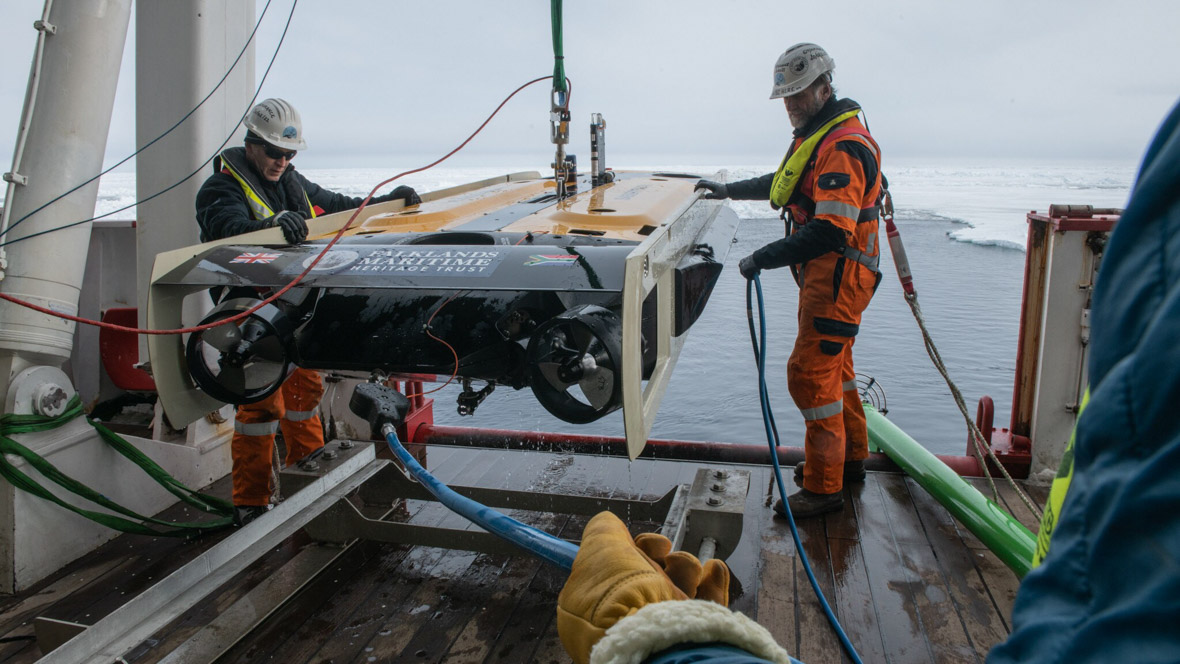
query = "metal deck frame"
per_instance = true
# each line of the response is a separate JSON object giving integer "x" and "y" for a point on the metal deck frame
{"x": 707, "y": 517}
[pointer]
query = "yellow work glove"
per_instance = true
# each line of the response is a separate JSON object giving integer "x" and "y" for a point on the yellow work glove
{"x": 614, "y": 576}
{"x": 709, "y": 581}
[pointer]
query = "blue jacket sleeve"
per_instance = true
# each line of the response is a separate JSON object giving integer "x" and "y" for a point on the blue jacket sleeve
{"x": 706, "y": 653}
{"x": 1108, "y": 589}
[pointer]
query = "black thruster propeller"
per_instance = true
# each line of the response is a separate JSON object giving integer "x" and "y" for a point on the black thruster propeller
{"x": 244, "y": 361}
{"x": 573, "y": 363}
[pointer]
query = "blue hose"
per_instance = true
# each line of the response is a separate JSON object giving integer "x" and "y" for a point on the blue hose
{"x": 772, "y": 440}
{"x": 551, "y": 549}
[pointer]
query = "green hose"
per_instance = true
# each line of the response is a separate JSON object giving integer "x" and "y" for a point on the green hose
{"x": 558, "y": 57}
{"x": 999, "y": 531}
{"x": 11, "y": 424}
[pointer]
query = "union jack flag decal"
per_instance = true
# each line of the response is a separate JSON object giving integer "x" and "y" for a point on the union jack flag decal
{"x": 255, "y": 258}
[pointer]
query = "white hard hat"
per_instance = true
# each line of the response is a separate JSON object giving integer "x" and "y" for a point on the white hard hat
{"x": 277, "y": 122}
{"x": 798, "y": 68}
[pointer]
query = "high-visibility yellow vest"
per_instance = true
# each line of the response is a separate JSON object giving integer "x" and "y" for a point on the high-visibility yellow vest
{"x": 1057, "y": 492}
{"x": 258, "y": 207}
{"x": 786, "y": 179}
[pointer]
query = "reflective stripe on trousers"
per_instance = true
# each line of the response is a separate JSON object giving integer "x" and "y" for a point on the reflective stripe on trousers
{"x": 268, "y": 428}
{"x": 820, "y": 412}
{"x": 300, "y": 415}
{"x": 254, "y": 434}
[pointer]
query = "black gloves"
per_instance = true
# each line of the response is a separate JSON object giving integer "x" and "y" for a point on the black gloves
{"x": 717, "y": 190}
{"x": 411, "y": 196}
{"x": 749, "y": 268}
{"x": 293, "y": 225}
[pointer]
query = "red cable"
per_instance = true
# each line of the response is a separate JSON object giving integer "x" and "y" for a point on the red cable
{"x": 299, "y": 278}
{"x": 449, "y": 347}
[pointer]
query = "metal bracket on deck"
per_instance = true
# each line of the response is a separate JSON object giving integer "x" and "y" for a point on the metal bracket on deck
{"x": 134, "y": 622}
{"x": 344, "y": 521}
{"x": 713, "y": 512}
{"x": 704, "y": 519}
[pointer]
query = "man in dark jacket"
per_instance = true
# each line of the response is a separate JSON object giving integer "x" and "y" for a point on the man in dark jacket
{"x": 255, "y": 187}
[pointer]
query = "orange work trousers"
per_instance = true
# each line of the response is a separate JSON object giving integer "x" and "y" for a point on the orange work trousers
{"x": 821, "y": 377}
{"x": 294, "y": 408}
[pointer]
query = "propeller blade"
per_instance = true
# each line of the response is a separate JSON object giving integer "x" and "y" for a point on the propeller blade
{"x": 223, "y": 337}
{"x": 583, "y": 337}
{"x": 268, "y": 348}
{"x": 598, "y": 386}
{"x": 233, "y": 379}
{"x": 259, "y": 375}
{"x": 549, "y": 371}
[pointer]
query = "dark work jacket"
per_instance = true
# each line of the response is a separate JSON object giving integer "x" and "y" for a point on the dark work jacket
{"x": 222, "y": 210}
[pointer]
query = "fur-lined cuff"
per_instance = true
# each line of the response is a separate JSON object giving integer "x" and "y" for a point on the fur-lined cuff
{"x": 662, "y": 625}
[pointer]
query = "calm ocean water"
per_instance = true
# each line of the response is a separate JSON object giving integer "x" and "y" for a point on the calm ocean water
{"x": 963, "y": 224}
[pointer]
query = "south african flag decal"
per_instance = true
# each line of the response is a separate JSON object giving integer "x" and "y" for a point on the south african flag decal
{"x": 552, "y": 259}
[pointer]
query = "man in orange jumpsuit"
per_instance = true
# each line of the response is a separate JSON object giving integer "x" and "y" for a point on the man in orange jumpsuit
{"x": 254, "y": 187}
{"x": 827, "y": 188}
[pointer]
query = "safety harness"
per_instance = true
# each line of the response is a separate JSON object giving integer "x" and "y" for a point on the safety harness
{"x": 258, "y": 206}
{"x": 866, "y": 258}
{"x": 784, "y": 190}
{"x": 800, "y": 159}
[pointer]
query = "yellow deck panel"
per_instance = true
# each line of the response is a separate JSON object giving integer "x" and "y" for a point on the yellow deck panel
{"x": 619, "y": 210}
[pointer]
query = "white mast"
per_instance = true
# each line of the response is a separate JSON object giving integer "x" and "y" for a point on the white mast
{"x": 183, "y": 48}
{"x": 64, "y": 135}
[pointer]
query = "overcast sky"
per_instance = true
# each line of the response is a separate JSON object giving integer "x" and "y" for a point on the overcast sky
{"x": 687, "y": 81}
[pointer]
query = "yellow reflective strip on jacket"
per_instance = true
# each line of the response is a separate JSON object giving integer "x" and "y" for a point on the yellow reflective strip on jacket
{"x": 1057, "y": 492}
{"x": 310, "y": 207}
{"x": 787, "y": 177}
{"x": 257, "y": 205}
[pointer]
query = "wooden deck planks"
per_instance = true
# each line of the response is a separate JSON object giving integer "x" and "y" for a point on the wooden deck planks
{"x": 853, "y": 602}
{"x": 817, "y": 642}
{"x": 645, "y": 481}
{"x": 426, "y": 608}
{"x": 890, "y": 582}
{"x": 1002, "y": 582}
{"x": 944, "y": 630}
{"x": 908, "y": 583}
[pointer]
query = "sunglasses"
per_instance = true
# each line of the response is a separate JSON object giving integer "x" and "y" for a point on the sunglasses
{"x": 279, "y": 153}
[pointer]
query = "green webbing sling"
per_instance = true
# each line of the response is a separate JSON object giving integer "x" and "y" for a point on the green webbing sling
{"x": 14, "y": 424}
{"x": 558, "y": 56}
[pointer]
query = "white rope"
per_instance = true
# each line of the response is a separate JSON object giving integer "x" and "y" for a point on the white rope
{"x": 983, "y": 451}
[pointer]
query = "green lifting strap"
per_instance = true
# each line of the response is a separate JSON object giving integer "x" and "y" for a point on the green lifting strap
{"x": 137, "y": 523}
{"x": 558, "y": 57}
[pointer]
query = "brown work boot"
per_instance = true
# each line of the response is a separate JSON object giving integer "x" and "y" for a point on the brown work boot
{"x": 854, "y": 471}
{"x": 806, "y": 503}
